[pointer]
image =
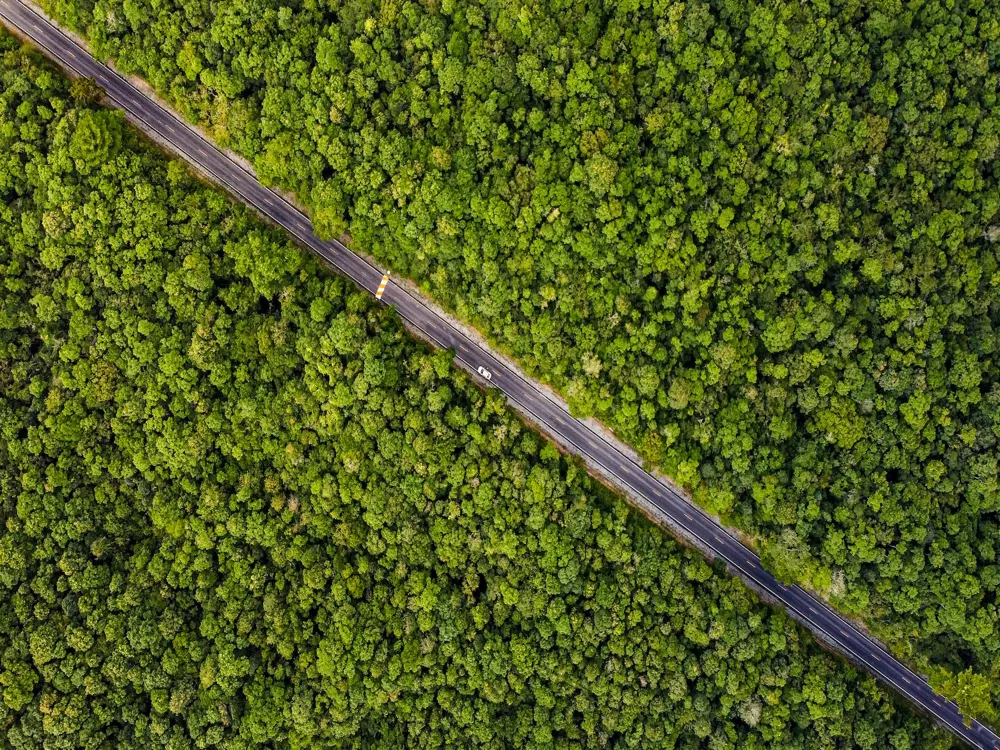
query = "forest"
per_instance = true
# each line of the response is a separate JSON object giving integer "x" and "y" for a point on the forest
{"x": 241, "y": 507}
{"x": 756, "y": 238}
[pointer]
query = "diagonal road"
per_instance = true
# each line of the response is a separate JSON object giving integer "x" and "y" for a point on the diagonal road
{"x": 654, "y": 495}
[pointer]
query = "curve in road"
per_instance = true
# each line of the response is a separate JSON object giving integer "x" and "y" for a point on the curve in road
{"x": 530, "y": 398}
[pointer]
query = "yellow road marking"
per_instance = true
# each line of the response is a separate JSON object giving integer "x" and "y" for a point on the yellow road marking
{"x": 382, "y": 286}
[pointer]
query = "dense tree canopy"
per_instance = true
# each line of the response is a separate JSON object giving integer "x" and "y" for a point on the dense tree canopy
{"x": 242, "y": 508}
{"x": 759, "y": 238}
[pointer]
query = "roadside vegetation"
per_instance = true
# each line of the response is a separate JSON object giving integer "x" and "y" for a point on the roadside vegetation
{"x": 240, "y": 507}
{"x": 758, "y": 239}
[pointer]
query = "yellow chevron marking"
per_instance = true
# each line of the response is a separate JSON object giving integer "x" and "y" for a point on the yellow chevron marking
{"x": 382, "y": 286}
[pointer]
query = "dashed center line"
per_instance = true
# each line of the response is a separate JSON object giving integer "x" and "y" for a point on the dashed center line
{"x": 137, "y": 102}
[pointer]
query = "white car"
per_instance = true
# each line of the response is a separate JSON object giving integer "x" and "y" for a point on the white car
{"x": 485, "y": 373}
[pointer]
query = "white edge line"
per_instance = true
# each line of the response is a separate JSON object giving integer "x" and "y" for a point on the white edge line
{"x": 631, "y": 462}
{"x": 846, "y": 652}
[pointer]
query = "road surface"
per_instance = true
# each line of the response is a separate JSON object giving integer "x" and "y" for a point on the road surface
{"x": 525, "y": 395}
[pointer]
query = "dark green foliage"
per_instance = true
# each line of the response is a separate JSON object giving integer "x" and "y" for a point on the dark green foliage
{"x": 758, "y": 239}
{"x": 86, "y": 90}
{"x": 241, "y": 508}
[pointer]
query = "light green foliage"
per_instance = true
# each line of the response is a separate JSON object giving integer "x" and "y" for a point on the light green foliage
{"x": 229, "y": 519}
{"x": 972, "y": 692}
{"x": 95, "y": 139}
{"x": 759, "y": 239}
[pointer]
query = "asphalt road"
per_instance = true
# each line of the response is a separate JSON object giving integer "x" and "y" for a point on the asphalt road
{"x": 527, "y": 396}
